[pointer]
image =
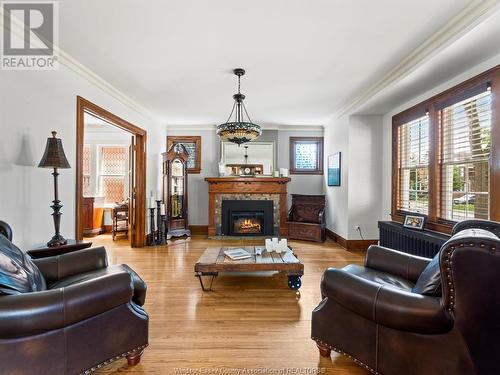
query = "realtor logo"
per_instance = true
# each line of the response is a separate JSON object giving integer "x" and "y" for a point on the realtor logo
{"x": 29, "y": 34}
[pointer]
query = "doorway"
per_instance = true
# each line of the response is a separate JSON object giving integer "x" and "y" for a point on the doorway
{"x": 110, "y": 175}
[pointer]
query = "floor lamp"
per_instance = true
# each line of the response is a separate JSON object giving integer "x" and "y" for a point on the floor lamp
{"x": 54, "y": 157}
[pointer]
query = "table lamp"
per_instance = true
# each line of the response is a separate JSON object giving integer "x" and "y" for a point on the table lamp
{"x": 54, "y": 157}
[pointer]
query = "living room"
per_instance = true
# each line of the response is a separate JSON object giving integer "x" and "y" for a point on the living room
{"x": 266, "y": 187}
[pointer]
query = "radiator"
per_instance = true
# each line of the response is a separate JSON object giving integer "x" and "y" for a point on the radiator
{"x": 424, "y": 243}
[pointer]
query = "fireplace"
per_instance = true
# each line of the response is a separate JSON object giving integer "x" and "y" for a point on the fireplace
{"x": 247, "y": 217}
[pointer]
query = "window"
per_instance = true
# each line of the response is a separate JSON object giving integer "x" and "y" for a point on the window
{"x": 113, "y": 173}
{"x": 413, "y": 165}
{"x": 87, "y": 171}
{"x": 446, "y": 155}
{"x": 465, "y": 134}
{"x": 306, "y": 155}
{"x": 192, "y": 144}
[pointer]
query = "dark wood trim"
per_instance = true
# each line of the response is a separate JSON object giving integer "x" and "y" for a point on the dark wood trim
{"x": 84, "y": 106}
{"x": 107, "y": 228}
{"x": 293, "y": 141}
{"x": 454, "y": 94}
{"x": 172, "y": 139}
{"x": 200, "y": 230}
{"x": 351, "y": 245}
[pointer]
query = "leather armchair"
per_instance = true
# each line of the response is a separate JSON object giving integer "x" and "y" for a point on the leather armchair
{"x": 89, "y": 316}
{"x": 372, "y": 314}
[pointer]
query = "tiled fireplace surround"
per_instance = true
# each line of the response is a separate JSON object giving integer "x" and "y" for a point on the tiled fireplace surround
{"x": 247, "y": 188}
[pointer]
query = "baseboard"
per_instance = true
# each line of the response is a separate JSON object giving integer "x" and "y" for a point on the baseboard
{"x": 199, "y": 230}
{"x": 107, "y": 228}
{"x": 355, "y": 245}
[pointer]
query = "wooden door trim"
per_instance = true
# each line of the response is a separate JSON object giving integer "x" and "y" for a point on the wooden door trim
{"x": 83, "y": 105}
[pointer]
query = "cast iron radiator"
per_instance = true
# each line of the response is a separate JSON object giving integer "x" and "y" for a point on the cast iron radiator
{"x": 423, "y": 243}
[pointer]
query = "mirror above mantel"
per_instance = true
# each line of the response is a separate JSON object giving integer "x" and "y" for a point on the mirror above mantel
{"x": 261, "y": 159}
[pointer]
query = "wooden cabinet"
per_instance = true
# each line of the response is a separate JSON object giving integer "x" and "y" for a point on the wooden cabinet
{"x": 175, "y": 175}
{"x": 92, "y": 216}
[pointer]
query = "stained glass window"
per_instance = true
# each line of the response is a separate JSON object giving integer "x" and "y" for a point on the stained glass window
{"x": 113, "y": 173}
{"x": 306, "y": 155}
{"x": 87, "y": 162}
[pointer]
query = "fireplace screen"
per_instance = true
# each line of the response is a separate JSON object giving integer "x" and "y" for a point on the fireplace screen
{"x": 247, "y": 222}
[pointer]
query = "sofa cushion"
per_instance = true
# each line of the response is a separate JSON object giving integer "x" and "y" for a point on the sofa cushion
{"x": 18, "y": 274}
{"x": 429, "y": 281}
{"x": 379, "y": 277}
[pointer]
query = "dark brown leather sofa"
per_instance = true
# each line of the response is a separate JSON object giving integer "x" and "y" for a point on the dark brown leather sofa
{"x": 374, "y": 314}
{"x": 88, "y": 316}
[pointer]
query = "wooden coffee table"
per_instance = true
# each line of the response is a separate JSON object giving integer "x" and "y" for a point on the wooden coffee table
{"x": 213, "y": 261}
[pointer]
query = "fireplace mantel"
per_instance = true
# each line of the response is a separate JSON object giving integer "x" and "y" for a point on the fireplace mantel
{"x": 247, "y": 186}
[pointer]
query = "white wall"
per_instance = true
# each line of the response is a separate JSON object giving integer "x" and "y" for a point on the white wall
{"x": 32, "y": 104}
{"x": 210, "y": 150}
{"x": 387, "y": 128}
{"x": 365, "y": 176}
{"x": 357, "y": 200}
{"x": 337, "y": 140}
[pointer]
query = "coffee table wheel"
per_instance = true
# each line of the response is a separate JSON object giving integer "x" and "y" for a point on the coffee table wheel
{"x": 294, "y": 282}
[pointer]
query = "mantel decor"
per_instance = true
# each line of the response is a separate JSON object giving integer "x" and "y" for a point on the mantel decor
{"x": 55, "y": 158}
{"x": 239, "y": 130}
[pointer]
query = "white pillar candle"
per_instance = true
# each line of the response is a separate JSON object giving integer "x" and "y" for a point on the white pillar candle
{"x": 162, "y": 209}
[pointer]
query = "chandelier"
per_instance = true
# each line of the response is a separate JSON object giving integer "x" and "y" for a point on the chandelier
{"x": 238, "y": 131}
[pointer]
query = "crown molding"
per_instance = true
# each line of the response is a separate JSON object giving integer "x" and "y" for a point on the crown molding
{"x": 466, "y": 19}
{"x": 64, "y": 58}
{"x": 304, "y": 128}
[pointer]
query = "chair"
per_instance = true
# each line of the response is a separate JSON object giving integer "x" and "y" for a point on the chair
{"x": 306, "y": 219}
{"x": 85, "y": 315}
{"x": 403, "y": 314}
{"x": 120, "y": 220}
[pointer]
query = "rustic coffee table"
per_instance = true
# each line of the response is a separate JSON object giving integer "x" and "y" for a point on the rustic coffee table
{"x": 213, "y": 261}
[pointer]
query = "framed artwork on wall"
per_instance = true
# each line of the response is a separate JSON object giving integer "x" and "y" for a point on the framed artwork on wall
{"x": 334, "y": 169}
{"x": 192, "y": 144}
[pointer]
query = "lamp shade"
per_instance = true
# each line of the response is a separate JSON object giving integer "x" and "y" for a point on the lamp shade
{"x": 54, "y": 156}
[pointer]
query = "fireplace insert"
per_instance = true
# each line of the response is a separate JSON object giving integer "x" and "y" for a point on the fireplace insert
{"x": 247, "y": 217}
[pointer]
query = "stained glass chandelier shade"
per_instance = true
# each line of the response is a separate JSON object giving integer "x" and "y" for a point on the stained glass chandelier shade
{"x": 241, "y": 129}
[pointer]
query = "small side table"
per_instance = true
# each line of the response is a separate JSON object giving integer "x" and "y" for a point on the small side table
{"x": 45, "y": 251}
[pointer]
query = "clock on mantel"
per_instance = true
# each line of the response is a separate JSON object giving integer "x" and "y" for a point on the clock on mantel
{"x": 175, "y": 177}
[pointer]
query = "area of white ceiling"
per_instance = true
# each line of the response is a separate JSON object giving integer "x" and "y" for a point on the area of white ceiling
{"x": 304, "y": 59}
{"x": 476, "y": 46}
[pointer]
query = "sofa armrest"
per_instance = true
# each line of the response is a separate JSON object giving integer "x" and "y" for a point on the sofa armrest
{"x": 390, "y": 307}
{"x": 44, "y": 252}
{"x": 81, "y": 261}
{"x": 34, "y": 313}
{"x": 395, "y": 262}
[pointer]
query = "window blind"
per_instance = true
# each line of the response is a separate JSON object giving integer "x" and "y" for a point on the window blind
{"x": 413, "y": 166}
{"x": 465, "y": 143}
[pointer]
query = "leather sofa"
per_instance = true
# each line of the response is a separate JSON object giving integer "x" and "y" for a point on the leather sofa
{"x": 86, "y": 314}
{"x": 376, "y": 315}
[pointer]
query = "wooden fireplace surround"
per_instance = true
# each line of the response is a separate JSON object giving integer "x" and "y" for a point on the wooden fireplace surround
{"x": 247, "y": 185}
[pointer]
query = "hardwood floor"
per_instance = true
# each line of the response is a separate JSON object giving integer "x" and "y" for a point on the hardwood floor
{"x": 247, "y": 322}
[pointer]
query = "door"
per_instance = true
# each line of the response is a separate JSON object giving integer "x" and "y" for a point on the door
{"x": 132, "y": 190}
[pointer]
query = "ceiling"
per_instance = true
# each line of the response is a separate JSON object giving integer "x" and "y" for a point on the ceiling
{"x": 305, "y": 59}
